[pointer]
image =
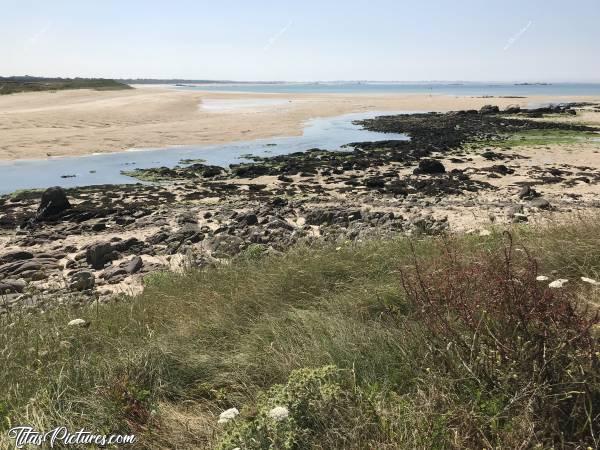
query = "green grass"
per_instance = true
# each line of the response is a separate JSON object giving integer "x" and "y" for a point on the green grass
{"x": 328, "y": 331}
{"x": 534, "y": 138}
{"x": 13, "y": 85}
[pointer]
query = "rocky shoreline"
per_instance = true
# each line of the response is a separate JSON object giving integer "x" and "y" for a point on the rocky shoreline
{"x": 88, "y": 244}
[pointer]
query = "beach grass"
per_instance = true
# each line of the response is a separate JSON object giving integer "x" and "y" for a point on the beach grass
{"x": 437, "y": 342}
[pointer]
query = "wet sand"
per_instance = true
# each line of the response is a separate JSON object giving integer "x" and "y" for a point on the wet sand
{"x": 72, "y": 123}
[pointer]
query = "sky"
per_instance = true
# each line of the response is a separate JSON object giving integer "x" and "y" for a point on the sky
{"x": 461, "y": 40}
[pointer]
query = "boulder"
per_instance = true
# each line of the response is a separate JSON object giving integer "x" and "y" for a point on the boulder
{"x": 247, "y": 219}
{"x": 97, "y": 255}
{"x": 489, "y": 109}
{"x": 430, "y": 166}
{"x": 54, "y": 201}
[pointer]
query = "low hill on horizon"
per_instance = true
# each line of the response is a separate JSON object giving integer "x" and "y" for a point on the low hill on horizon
{"x": 26, "y": 83}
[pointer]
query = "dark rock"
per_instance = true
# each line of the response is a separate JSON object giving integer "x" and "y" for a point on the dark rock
{"x": 492, "y": 156}
{"x": 97, "y": 255}
{"x": 54, "y": 201}
{"x": 247, "y": 219}
{"x": 499, "y": 169}
{"x": 375, "y": 182}
{"x": 430, "y": 166}
{"x": 489, "y": 109}
{"x": 124, "y": 220}
{"x": 113, "y": 273}
{"x": 225, "y": 245}
{"x": 17, "y": 255}
{"x": 134, "y": 265}
{"x": 131, "y": 244}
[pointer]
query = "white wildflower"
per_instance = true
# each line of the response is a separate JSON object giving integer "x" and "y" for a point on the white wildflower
{"x": 590, "y": 281}
{"x": 77, "y": 323}
{"x": 485, "y": 233}
{"x": 558, "y": 283}
{"x": 279, "y": 413}
{"x": 542, "y": 278}
{"x": 228, "y": 415}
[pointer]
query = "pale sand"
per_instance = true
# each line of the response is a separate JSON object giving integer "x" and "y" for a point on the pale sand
{"x": 69, "y": 123}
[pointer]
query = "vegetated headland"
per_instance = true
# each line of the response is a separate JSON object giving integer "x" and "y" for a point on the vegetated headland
{"x": 13, "y": 85}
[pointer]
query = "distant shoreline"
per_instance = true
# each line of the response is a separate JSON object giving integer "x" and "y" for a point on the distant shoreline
{"x": 38, "y": 125}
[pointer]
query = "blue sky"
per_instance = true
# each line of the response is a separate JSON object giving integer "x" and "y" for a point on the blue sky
{"x": 507, "y": 40}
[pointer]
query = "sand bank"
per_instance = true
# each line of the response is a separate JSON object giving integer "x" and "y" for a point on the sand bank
{"x": 71, "y": 123}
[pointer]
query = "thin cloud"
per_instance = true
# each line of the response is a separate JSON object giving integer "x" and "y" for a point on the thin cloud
{"x": 276, "y": 37}
{"x": 37, "y": 36}
{"x": 517, "y": 36}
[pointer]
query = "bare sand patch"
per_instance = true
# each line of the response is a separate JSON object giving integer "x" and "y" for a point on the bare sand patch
{"x": 69, "y": 123}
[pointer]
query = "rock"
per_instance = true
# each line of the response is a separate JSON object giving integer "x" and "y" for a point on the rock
{"x": 17, "y": 255}
{"x": 82, "y": 281}
{"x": 375, "y": 182}
{"x": 499, "y": 169}
{"x": 527, "y": 192}
{"x": 512, "y": 109}
{"x": 114, "y": 274}
{"x": 128, "y": 245}
{"x": 430, "y": 166}
{"x": 225, "y": 245}
{"x": 247, "y": 219}
{"x": 124, "y": 220}
{"x": 54, "y": 201}
{"x": 97, "y": 255}
{"x": 134, "y": 265}
{"x": 540, "y": 203}
{"x": 12, "y": 286}
{"x": 489, "y": 109}
{"x": 514, "y": 209}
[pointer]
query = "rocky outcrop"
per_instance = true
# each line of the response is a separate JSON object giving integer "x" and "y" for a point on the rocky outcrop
{"x": 54, "y": 201}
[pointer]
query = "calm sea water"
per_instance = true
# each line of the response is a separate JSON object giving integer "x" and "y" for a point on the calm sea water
{"x": 471, "y": 89}
{"x": 325, "y": 133}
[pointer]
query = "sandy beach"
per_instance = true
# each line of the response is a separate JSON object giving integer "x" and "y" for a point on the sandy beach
{"x": 79, "y": 122}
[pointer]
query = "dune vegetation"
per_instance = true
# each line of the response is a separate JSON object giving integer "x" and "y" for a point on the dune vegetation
{"x": 433, "y": 342}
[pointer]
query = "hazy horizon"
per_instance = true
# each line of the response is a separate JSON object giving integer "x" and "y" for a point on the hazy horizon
{"x": 540, "y": 41}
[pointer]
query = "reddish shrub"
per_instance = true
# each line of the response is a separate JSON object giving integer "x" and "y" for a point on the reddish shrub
{"x": 488, "y": 316}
